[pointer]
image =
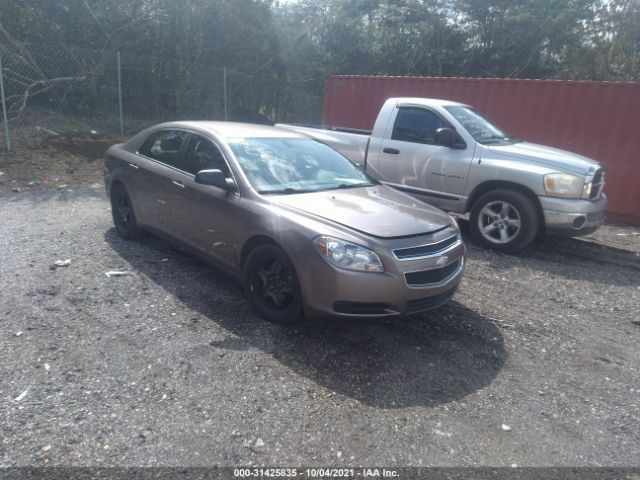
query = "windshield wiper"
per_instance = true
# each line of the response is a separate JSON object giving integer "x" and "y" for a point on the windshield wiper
{"x": 285, "y": 191}
{"x": 348, "y": 185}
{"x": 492, "y": 137}
{"x": 498, "y": 138}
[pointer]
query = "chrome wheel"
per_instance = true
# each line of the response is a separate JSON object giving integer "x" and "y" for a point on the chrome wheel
{"x": 499, "y": 222}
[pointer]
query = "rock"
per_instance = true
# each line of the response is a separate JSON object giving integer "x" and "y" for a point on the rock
{"x": 22, "y": 395}
{"x": 506, "y": 428}
{"x": 117, "y": 273}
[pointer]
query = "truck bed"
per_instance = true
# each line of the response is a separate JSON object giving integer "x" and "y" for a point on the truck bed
{"x": 352, "y": 143}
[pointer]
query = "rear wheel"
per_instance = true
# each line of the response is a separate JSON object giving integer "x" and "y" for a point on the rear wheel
{"x": 504, "y": 220}
{"x": 124, "y": 218}
{"x": 272, "y": 286}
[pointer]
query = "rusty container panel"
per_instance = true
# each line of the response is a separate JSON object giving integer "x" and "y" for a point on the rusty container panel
{"x": 598, "y": 119}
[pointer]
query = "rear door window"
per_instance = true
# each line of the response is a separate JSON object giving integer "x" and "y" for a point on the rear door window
{"x": 164, "y": 146}
{"x": 203, "y": 154}
{"x": 417, "y": 125}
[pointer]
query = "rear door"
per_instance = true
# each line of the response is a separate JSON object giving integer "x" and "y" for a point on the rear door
{"x": 159, "y": 159}
{"x": 413, "y": 161}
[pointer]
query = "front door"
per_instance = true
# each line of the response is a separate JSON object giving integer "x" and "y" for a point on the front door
{"x": 204, "y": 216}
{"x": 412, "y": 160}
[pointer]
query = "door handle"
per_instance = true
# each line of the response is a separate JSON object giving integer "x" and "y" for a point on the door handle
{"x": 133, "y": 165}
{"x": 392, "y": 151}
{"x": 178, "y": 184}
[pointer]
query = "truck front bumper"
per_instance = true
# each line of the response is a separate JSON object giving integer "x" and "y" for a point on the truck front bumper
{"x": 572, "y": 217}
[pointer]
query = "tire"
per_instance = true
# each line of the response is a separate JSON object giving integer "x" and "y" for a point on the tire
{"x": 504, "y": 220}
{"x": 124, "y": 217}
{"x": 271, "y": 285}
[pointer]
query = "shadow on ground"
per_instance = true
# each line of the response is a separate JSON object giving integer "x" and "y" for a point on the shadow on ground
{"x": 428, "y": 359}
{"x": 574, "y": 258}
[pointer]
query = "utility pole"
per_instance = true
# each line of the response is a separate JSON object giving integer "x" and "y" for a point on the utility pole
{"x": 120, "y": 93}
{"x": 4, "y": 110}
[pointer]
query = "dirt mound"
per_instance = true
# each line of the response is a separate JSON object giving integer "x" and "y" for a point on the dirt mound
{"x": 90, "y": 146}
{"x": 41, "y": 159}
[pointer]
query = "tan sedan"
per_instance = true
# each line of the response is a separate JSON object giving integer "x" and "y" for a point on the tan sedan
{"x": 306, "y": 231}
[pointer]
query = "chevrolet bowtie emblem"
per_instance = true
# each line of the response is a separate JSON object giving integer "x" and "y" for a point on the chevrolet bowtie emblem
{"x": 442, "y": 260}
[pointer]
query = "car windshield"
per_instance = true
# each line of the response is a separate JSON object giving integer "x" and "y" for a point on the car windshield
{"x": 481, "y": 129}
{"x": 295, "y": 165}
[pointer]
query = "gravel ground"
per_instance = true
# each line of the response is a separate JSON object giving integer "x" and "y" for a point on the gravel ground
{"x": 534, "y": 362}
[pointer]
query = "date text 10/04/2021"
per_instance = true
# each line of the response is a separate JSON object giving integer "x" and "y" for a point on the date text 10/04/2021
{"x": 315, "y": 473}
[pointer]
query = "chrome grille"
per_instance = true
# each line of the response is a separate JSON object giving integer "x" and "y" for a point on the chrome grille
{"x": 426, "y": 250}
{"x": 597, "y": 184}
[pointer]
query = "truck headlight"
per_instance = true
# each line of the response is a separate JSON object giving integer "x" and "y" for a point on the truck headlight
{"x": 347, "y": 255}
{"x": 563, "y": 185}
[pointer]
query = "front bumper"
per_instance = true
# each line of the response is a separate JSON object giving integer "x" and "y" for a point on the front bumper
{"x": 572, "y": 217}
{"x": 338, "y": 293}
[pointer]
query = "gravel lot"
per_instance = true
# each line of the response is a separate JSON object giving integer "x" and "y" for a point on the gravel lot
{"x": 534, "y": 363}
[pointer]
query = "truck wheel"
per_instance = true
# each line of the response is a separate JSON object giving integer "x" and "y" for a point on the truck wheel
{"x": 504, "y": 220}
{"x": 271, "y": 284}
{"x": 124, "y": 218}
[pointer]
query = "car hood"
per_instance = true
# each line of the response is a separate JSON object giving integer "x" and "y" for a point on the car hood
{"x": 548, "y": 156}
{"x": 379, "y": 211}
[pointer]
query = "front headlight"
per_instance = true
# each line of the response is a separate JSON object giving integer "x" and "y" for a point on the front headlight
{"x": 563, "y": 185}
{"x": 347, "y": 255}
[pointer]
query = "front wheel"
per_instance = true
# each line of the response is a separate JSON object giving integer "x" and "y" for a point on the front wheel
{"x": 271, "y": 284}
{"x": 504, "y": 220}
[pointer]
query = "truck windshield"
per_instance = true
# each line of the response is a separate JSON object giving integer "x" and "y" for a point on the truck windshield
{"x": 481, "y": 129}
{"x": 295, "y": 165}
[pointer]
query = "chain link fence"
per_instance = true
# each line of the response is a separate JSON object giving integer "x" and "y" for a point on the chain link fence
{"x": 66, "y": 90}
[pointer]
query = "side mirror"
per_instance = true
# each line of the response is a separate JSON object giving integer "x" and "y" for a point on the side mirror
{"x": 215, "y": 178}
{"x": 445, "y": 136}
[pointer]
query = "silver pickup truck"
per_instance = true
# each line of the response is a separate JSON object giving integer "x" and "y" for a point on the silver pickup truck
{"x": 447, "y": 154}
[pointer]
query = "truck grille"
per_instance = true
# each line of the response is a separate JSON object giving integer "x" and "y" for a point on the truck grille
{"x": 436, "y": 275}
{"x": 425, "y": 250}
{"x": 597, "y": 184}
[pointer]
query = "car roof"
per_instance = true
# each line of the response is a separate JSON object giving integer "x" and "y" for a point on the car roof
{"x": 233, "y": 129}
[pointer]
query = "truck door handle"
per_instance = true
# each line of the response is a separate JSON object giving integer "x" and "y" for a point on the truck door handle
{"x": 392, "y": 151}
{"x": 178, "y": 184}
{"x": 133, "y": 165}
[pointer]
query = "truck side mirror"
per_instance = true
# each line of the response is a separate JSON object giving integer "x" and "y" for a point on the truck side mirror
{"x": 445, "y": 136}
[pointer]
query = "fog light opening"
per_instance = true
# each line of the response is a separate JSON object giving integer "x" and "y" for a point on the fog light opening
{"x": 578, "y": 223}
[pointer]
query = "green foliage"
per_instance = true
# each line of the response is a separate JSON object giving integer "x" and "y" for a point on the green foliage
{"x": 277, "y": 53}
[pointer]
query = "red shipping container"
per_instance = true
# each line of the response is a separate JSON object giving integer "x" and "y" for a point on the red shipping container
{"x": 598, "y": 119}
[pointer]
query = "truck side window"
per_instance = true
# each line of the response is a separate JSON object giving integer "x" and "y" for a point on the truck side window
{"x": 418, "y": 125}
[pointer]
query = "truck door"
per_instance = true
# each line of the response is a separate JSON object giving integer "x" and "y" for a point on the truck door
{"x": 412, "y": 161}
